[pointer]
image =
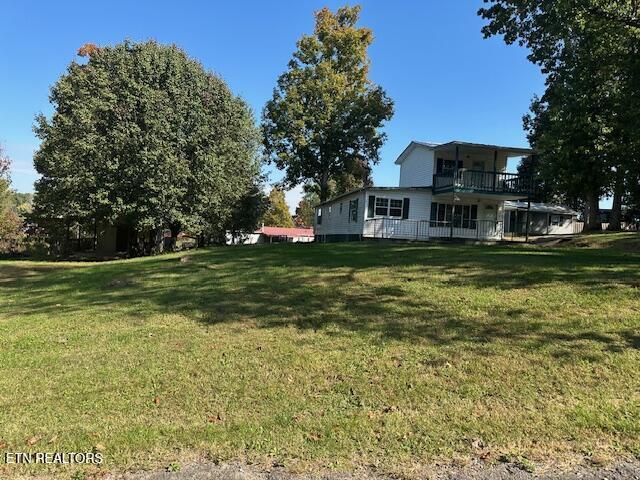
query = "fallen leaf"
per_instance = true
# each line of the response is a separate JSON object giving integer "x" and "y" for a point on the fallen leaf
{"x": 99, "y": 447}
{"x": 217, "y": 418}
{"x": 156, "y": 400}
{"x": 53, "y": 439}
{"x": 33, "y": 440}
{"x": 3, "y": 444}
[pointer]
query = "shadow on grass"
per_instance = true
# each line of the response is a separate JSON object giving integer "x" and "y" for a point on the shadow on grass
{"x": 362, "y": 288}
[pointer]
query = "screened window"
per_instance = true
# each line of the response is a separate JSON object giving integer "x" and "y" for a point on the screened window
{"x": 462, "y": 216}
{"x": 386, "y": 207}
{"x": 557, "y": 220}
{"x": 319, "y": 217}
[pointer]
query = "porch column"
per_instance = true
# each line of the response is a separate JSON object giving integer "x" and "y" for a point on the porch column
{"x": 495, "y": 168}
{"x": 453, "y": 191}
{"x": 528, "y": 209}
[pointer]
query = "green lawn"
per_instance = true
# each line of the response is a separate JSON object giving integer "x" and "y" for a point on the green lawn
{"x": 326, "y": 356}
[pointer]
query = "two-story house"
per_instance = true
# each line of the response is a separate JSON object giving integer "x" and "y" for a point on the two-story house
{"x": 454, "y": 190}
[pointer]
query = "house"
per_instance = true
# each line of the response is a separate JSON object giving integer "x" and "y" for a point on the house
{"x": 544, "y": 219}
{"x": 449, "y": 190}
{"x": 272, "y": 235}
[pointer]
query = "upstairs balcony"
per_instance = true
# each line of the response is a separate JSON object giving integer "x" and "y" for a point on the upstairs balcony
{"x": 483, "y": 182}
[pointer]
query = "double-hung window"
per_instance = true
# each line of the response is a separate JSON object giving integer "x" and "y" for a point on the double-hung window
{"x": 388, "y": 207}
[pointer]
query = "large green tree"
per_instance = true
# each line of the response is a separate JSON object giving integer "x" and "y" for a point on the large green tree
{"x": 143, "y": 136}
{"x": 10, "y": 222}
{"x": 323, "y": 122}
{"x": 585, "y": 126}
{"x": 277, "y": 213}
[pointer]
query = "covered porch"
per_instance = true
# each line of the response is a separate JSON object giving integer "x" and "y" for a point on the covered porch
{"x": 463, "y": 167}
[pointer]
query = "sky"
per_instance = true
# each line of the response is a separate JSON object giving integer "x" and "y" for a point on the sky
{"x": 447, "y": 82}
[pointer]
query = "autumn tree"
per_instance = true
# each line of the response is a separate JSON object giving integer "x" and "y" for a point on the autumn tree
{"x": 324, "y": 119}
{"x": 277, "y": 213}
{"x": 143, "y": 136}
{"x": 305, "y": 211}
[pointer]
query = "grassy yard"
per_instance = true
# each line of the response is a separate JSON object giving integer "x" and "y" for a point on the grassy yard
{"x": 326, "y": 356}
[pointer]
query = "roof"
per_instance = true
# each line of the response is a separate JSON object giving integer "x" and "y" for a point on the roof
{"x": 357, "y": 190}
{"x": 286, "y": 232}
{"x": 539, "y": 207}
{"x": 511, "y": 151}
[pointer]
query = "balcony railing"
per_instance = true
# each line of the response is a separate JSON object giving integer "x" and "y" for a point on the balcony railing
{"x": 463, "y": 180}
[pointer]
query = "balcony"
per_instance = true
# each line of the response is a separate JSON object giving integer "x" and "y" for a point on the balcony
{"x": 479, "y": 181}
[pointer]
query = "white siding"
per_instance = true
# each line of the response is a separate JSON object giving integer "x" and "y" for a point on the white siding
{"x": 417, "y": 168}
{"x": 336, "y": 223}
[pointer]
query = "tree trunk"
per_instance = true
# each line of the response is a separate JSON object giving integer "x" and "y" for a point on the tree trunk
{"x": 592, "y": 220}
{"x": 175, "y": 230}
{"x": 615, "y": 222}
{"x": 324, "y": 186}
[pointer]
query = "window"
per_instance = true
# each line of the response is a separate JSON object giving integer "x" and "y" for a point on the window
{"x": 340, "y": 208}
{"x": 382, "y": 206}
{"x": 386, "y": 207}
{"x": 557, "y": 220}
{"x": 319, "y": 217}
{"x": 329, "y": 210}
{"x": 447, "y": 166}
{"x": 353, "y": 210}
{"x": 478, "y": 165}
{"x": 395, "y": 208}
{"x": 462, "y": 216}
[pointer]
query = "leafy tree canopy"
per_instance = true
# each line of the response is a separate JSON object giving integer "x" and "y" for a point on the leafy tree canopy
{"x": 586, "y": 126}
{"x": 277, "y": 214}
{"x": 143, "y": 136}
{"x": 325, "y": 116}
{"x": 305, "y": 211}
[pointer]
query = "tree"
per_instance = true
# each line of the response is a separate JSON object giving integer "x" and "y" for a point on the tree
{"x": 585, "y": 127}
{"x": 277, "y": 214}
{"x": 142, "y": 136}
{"x": 10, "y": 223}
{"x": 325, "y": 115}
{"x": 305, "y": 211}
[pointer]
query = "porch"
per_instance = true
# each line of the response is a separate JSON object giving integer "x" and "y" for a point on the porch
{"x": 507, "y": 185}
{"x": 391, "y": 228}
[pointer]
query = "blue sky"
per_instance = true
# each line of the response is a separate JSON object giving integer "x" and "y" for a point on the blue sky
{"x": 446, "y": 80}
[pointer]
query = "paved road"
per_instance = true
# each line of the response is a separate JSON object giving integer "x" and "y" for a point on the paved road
{"x": 236, "y": 471}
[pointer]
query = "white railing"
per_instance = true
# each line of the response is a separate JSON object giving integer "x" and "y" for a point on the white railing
{"x": 391, "y": 228}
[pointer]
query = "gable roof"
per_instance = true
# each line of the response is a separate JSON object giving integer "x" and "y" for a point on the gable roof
{"x": 511, "y": 151}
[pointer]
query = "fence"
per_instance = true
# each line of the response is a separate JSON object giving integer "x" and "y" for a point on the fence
{"x": 391, "y": 228}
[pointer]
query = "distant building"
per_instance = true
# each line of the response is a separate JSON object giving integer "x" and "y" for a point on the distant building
{"x": 272, "y": 235}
